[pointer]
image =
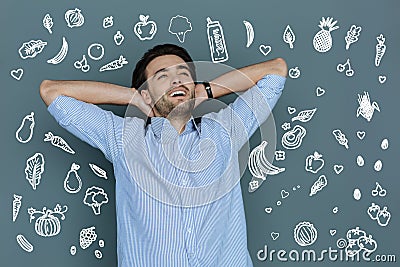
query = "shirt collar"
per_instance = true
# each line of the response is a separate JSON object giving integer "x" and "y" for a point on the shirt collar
{"x": 161, "y": 125}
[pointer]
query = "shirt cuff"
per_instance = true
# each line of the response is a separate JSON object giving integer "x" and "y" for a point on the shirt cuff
{"x": 63, "y": 108}
{"x": 271, "y": 85}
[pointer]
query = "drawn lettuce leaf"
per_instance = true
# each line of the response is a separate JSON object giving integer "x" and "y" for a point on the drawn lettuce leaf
{"x": 31, "y": 49}
{"x": 305, "y": 115}
{"x": 34, "y": 169}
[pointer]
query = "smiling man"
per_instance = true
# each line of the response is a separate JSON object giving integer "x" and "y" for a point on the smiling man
{"x": 178, "y": 199}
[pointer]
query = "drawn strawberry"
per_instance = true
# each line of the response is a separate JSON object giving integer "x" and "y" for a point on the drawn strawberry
{"x": 383, "y": 217}
{"x": 373, "y": 211}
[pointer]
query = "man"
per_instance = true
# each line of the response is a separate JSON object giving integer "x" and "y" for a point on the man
{"x": 162, "y": 166}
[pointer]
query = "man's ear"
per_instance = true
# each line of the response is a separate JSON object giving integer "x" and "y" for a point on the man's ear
{"x": 146, "y": 96}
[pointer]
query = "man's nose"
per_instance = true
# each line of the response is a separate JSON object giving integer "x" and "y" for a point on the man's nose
{"x": 176, "y": 80}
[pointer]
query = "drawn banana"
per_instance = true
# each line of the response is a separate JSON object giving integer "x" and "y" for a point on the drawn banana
{"x": 250, "y": 32}
{"x": 259, "y": 165}
{"x": 61, "y": 54}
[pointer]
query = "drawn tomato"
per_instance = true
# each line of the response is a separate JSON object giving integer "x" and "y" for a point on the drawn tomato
{"x": 305, "y": 234}
{"x": 354, "y": 234}
{"x": 367, "y": 243}
{"x": 294, "y": 73}
{"x": 144, "y": 29}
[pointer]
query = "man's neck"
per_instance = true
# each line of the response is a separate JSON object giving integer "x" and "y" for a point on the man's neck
{"x": 179, "y": 123}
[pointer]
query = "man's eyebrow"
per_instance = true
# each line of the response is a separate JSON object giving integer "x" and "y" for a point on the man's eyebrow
{"x": 180, "y": 67}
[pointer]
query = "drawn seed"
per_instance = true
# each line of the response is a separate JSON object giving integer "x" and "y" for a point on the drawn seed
{"x": 378, "y": 165}
{"x": 101, "y": 243}
{"x": 357, "y": 194}
{"x": 360, "y": 161}
{"x": 335, "y": 210}
{"x": 98, "y": 254}
{"x": 385, "y": 144}
{"x": 72, "y": 250}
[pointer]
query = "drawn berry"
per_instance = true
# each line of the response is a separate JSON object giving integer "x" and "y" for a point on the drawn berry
{"x": 383, "y": 217}
{"x": 373, "y": 211}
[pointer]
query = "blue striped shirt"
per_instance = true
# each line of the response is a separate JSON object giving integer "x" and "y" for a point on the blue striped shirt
{"x": 178, "y": 199}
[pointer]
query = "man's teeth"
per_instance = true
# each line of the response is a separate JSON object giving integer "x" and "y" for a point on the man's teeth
{"x": 178, "y": 93}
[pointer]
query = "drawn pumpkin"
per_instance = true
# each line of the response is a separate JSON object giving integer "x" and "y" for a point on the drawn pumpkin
{"x": 47, "y": 225}
{"x": 305, "y": 234}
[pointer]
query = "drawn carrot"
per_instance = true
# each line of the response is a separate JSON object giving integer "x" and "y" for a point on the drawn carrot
{"x": 115, "y": 64}
{"x": 57, "y": 141}
{"x": 16, "y": 206}
{"x": 380, "y": 49}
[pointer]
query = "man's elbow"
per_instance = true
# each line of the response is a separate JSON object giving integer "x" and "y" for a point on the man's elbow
{"x": 46, "y": 92}
{"x": 280, "y": 67}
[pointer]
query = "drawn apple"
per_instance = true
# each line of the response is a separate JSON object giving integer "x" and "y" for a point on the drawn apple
{"x": 314, "y": 162}
{"x": 145, "y": 29}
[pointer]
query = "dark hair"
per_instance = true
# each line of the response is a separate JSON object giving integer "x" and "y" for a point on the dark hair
{"x": 139, "y": 73}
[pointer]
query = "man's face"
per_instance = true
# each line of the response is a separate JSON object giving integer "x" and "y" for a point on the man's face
{"x": 170, "y": 86}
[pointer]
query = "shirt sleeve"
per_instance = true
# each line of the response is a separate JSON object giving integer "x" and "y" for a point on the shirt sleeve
{"x": 93, "y": 125}
{"x": 251, "y": 109}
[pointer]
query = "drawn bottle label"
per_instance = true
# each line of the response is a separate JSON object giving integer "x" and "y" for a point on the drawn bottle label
{"x": 216, "y": 41}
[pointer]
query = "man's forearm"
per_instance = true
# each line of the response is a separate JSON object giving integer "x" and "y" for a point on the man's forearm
{"x": 244, "y": 78}
{"x": 87, "y": 91}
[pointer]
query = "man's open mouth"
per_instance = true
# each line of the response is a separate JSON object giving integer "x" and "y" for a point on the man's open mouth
{"x": 178, "y": 93}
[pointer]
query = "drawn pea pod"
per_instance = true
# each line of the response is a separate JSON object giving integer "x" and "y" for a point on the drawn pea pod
{"x": 27, "y": 125}
{"x": 292, "y": 139}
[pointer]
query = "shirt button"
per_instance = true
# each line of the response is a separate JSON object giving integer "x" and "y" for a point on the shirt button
{"x": 189, "y": 230}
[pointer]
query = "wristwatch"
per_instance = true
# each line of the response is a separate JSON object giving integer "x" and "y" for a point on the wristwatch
{"x": 208, "y": 89}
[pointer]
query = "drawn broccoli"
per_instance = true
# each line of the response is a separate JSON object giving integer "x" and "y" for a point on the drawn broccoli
{"x": 179, "y": 25}
{"x": 95, "y": 197}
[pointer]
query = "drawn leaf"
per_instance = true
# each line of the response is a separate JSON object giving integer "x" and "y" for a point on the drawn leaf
{"x": 305, "y": 115}
{"x": 31, "y": 49}
{"x": 288, "y": 36}
{"x": 48, "y": 22}
{"x": 34, "y": 169}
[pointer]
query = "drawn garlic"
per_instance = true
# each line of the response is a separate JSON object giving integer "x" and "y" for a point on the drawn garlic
{"x": 360, "y": 161}
{"x": 385, "y": 144}
{"x": 378, "y": 165}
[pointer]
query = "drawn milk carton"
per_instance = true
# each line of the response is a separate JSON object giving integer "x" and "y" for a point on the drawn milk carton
{"x": 216, "y": 41}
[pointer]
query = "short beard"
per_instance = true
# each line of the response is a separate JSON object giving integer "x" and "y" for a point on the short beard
{"x": 167, "y": 109}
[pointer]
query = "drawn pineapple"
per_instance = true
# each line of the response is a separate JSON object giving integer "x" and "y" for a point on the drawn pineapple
{"x": 323, "y": 40}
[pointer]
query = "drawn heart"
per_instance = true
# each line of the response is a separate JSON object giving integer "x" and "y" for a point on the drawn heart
{"x": 17, "y": 74}
{"x": 361, "y": 135}
{"x": 382, "y": 78}
{"x": 320, "y": 91}
{"x": 265, "y": 49}
{"x": 332, "y": 232}
{"x": 338, "y": 168}
{"x": 291, "y": 110}
{"x": 268, "y": 210}
{"x": 284, "y": 193}
{"x": 274, "y": 236}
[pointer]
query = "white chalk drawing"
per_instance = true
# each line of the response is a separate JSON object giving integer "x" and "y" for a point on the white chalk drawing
{"x": 72, "y": 250}
{"x": 259, "y": 166}
{"x": 361, "y": 135}
{"x": 254, "y": 184}
{"x": 373, "y": 211}
{"x": 95, "y": 51}
{"x": 265, "y": 49}
{"x": 27, "y": 125}
{"x": 24, "y": 243}
{"x": 318, "y": 185}
{"x": 118, "y": 38}
{"x": 61, "y": 54}
{"x": 291, "y": 110}
{"x": 145, "y": 29}
{"x": 382, "y": 216}
{"x": 380, "y": 49}
{"x": 16, "y": 206}
{"x": 382, "y": 79}
{"x": 87, "y": 236}
{"x": 284, "y": 194}
{"x": 98, "y": 254}
{"x": 292, "y": 139}
{"x": 34, "y": 169}
{"x": 95, "y": 197}
{"x": 358, "y": 241}
{"x": 338, "y": 168}
{"x": 17, "y": 74}
{"x": 322, "y": 40}
{"x": 385, "y": 144}
{"x": 249, "y": 32}
{"x": 48, "y": 225}
{"x": 305, "y": 115}
{"x": 305, "y": 234}
{"x": 98, "y": 171}
{"x": 274, "y": 235}
{"x": 294, "y": 73}
{"x": 115, "y": 64}
{"x": 332, "y": 232}
{"x": 101, "y": 243}
{"x": 341, "y": 138}
{"x": 366, "y": 109}
{"x": 280, "y": 155}
{"x": 216, "y": 41}
{"x": 342, "y": 67}
{"x": 319, "y": 91}
{"x": 108, "y": 22}
{"x": 314, "y": 162}
{"x": 74, "y": 18}
{"x": 31, "y": 49}
{"x": 82, "y": 64}
{"x": 335, "y": 210}
{"x": 179, "y": 26}
{"x": 357, "y": 194}
{"x": 285, "y": 126}
{"x": 48, "y": 23}
{"x": 360, "y": 161}
{"x": 378, "y": 191}
{"x": 278, "y": 203}
{"x": 341, "y": 243}
{"x": 288, "y": 36}
{"x": 58, "y": 141}
{"x": 268, "y": 210}
{"x": 352, "y": 35}
{"x": 378, "y": 165}
{"x": 72, "y": 182}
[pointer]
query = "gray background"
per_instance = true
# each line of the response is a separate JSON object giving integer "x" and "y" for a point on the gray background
{"x": 22, "y": 21}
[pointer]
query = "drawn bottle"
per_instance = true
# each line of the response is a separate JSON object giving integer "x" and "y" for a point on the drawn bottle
{"x": 216, "y": 41}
